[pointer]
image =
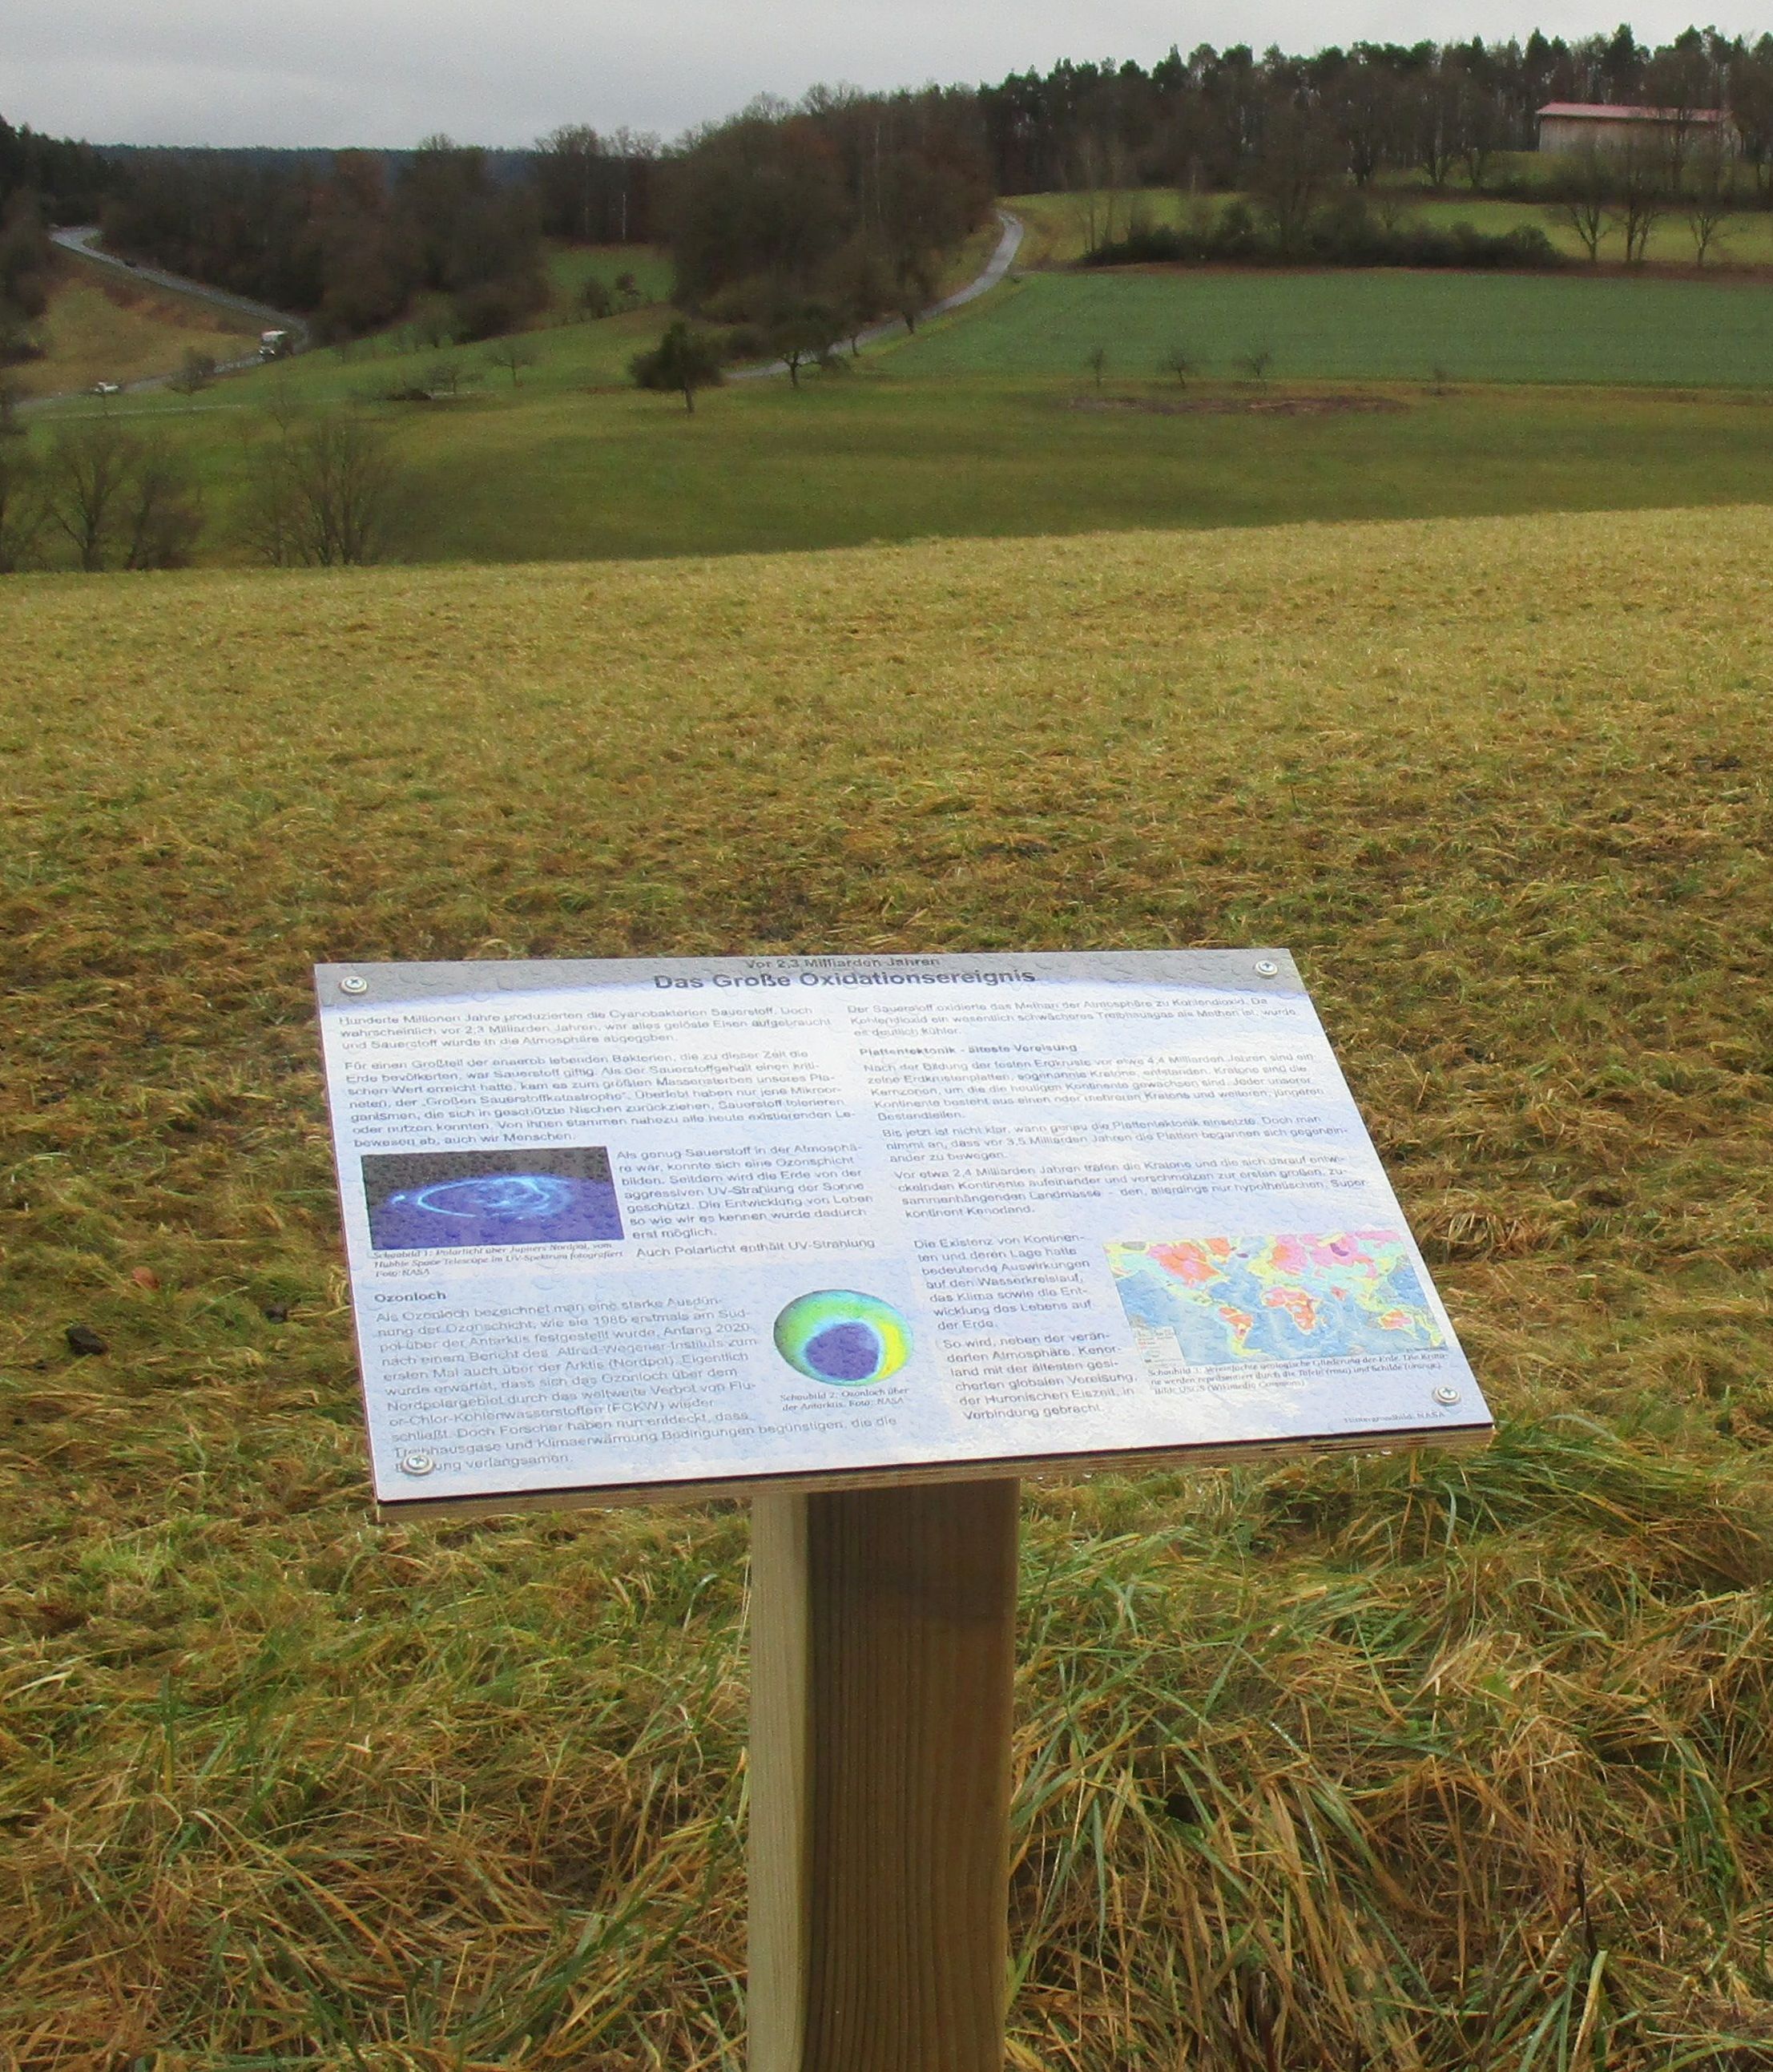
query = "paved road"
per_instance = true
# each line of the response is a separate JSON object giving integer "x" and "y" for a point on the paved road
{"x": 996, "y": 267}
{"x": 81, "y": 242}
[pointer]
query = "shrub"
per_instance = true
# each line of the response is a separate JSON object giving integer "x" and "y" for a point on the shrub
{"x": 494, "y": 307}
{"x": 683, "y": 361}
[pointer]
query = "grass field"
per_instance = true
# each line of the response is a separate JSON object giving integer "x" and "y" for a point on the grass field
{"x": 559, "y": 468}
{"x": 880, "y": 458}
{"x": 1425, "y": 1765}
{"x": 101, "y": 329}
{"x": 569, "y": 266}
{"x": 1370, "y": 324}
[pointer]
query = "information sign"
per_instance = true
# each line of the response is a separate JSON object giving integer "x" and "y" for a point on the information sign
{"x": 628, "y": 1227}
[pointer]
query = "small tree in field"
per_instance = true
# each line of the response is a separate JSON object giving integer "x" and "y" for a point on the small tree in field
{"x": 1096, "y": 359}
{"x": 513, "y": 355}
{"x": 914, "y": 282}
{"x": 858, "y": 287}
{"x": 1180, "y": 362}
{"x": 1257, "y": 363}
{"x": 803, "y": 335}
{"x": 683, "y": 361}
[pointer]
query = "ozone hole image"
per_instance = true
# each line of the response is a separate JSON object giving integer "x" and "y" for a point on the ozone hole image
{"x": 838, "y": 1336}
{"x": 422, "y": 1201}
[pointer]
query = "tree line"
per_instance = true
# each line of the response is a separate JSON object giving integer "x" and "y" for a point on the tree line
{"x": 1447, "y": 112}
{"x": 41, "y": 177}
{"x": 792, "y": 226}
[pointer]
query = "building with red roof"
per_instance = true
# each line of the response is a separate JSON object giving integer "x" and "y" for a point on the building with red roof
{"x": 1575, "y": 125}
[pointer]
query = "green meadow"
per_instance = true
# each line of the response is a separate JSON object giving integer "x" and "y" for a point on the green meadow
{"x": 882, "y": 458}
{"x": 1377, "y": 324}
{"x": 560, "y": 465}
{"x": 1422, "y": 1762}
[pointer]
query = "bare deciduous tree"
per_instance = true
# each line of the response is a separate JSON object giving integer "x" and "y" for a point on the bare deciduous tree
{"x": 23, "y": 513}
{"x": 118, "y": 499}
{"x": 89, "y": 474}
{"x": 1708, "y": 190}
{"x": 1096, "y": 359}
{"x": 161, "y": 518}
{"x": 326, "y": 492}
{"x": 1585, "y": 205}
{"x": 1640, "y": 194}
{"x": 1180, "y": 361}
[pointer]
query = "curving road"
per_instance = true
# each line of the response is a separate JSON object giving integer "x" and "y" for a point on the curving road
{"x": 81, "y": 243}
{"x": 1000, "y": 262}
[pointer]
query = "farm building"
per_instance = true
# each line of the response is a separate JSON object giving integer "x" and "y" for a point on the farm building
{"x": 1573, "y": 125}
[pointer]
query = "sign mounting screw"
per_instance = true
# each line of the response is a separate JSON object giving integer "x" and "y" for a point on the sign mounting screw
{"x": 416, "y": 1464}
{"x": 352, "y": 983}
{"x": 1446, "y": 1393}
{"x": 1267, "y": 968}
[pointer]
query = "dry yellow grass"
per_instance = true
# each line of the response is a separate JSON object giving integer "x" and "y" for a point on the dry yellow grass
{"x": 98, "y": 329}
{"x": 1440, "y": 1764}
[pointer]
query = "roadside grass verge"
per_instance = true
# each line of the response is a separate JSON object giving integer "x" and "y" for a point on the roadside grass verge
{"x": 1443, "y": 1761}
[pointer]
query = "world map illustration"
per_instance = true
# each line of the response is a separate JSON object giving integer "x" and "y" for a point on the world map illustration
{"x": 1218, "y": 1301}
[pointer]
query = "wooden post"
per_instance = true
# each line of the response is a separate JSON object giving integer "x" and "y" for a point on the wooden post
{"x": 882, "y": 1654}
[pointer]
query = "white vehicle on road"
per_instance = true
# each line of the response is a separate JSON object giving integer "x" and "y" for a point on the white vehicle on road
{"x": 107, "y": 388}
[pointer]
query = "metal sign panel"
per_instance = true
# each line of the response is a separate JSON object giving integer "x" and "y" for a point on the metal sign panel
{"x": 636, "y": 1228}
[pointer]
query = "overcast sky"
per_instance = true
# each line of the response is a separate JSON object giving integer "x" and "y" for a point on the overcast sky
{"x": 501, "y": 71}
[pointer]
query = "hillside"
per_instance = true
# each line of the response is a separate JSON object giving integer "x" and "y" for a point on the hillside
{"x": 1388, "y": 1761}
{"x": 100, "y": 327}
{"x": 1382, "y": 394}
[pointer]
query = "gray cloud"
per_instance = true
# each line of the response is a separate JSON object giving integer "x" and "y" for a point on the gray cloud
{"x": 388, "y": 72}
